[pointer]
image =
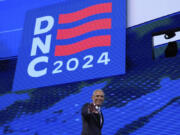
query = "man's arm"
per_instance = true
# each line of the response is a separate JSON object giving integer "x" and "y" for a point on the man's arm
{"x": 88, "y": 109}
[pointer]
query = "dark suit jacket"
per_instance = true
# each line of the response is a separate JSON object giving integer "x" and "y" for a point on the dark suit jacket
{"x": 91, "y": 123}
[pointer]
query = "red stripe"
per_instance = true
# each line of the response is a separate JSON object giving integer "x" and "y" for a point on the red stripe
{"x": 81, "y": 14}
{"x": 84, "y": 28}
{"x": 97, "y": 41}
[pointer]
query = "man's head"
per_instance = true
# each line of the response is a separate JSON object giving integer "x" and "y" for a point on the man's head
{"x": 98, "y": 97}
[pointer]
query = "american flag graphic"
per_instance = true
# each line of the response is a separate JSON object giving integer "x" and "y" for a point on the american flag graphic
{"x": 90, "y": 26}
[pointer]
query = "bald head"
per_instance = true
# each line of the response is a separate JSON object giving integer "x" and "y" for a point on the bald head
{"x": 98, "y": 90}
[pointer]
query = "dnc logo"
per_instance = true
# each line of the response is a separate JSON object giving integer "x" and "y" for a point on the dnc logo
{"x": 72, "y": 41}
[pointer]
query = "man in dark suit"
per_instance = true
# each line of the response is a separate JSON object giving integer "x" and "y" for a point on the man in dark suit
{"x": 92, "y": 116}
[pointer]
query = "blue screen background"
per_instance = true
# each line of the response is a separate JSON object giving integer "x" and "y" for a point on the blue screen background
{"x": 12, "y": 22}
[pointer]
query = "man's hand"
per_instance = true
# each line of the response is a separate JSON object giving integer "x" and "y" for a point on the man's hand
{"x": 92, "y": 109}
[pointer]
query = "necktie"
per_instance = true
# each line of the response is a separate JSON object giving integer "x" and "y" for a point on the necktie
{"x": 100, "y": 118}
{"x": 99, "y": 115}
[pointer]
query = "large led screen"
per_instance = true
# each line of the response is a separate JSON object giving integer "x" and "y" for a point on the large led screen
{"x": 69, "y": 42}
